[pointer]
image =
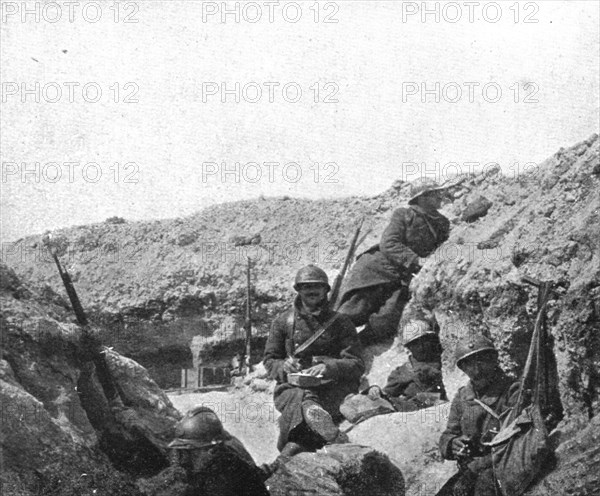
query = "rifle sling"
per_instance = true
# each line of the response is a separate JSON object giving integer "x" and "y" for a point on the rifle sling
{"x": 487, "y": 408}
{"x": 316, "y": 335}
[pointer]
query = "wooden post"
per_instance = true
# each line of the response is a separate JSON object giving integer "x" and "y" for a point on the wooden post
{"x": 248, "y": 319}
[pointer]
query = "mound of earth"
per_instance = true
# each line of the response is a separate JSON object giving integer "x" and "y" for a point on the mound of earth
{"x": 155, "y": 286}
{"x": 60, "y": 433}
{"x": 547, "y": 227}
{"x": 338, "y": 470}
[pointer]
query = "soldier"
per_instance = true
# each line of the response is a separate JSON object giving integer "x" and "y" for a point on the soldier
{"x": 214, "y": 461}
{"x": 237, "y": 366}
{"x": 418, "y": 383}
{"x": 470, "y": 424}
{"x": 377, "y": 288}
{"x": 309, "y": 415}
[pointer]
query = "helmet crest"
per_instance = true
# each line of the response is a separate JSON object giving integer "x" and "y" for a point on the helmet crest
{"x": 200, "y": 427}
{"x": 475, "y": 344}
{"x": 311, "y": 274}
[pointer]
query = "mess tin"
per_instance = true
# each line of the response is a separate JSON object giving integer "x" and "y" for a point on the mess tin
{"x": 305, "y": 380}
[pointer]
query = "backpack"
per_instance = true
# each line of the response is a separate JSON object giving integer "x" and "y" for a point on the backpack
{"x": 521, "y": 447}
{"x": 520, "y": 450}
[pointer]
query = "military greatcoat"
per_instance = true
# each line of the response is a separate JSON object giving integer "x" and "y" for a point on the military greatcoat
{"x": 339, "y": 348}
{"x": 469, "y": 418}
{"x": 411, "y": 233}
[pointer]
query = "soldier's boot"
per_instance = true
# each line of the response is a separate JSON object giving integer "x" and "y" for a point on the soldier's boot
{"x": 290, "y": 449}
{"x": 319, "y": 421}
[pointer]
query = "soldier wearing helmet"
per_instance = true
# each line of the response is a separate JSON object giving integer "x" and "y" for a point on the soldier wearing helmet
{"x": 470, "y": 422}
{"x": 309, "y": 415}
{"x": 417, "y": 383}
{"x": 214, "y": 461}
{"x": 377, "y": 287}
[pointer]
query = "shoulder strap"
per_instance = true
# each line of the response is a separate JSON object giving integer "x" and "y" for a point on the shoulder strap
{"x": 487, "y": 408}
{"x": 491, "y": 413}
{"x": 317, "y": 334}
{"x": 290, "y": 325}
{"x": 433, "y": 231}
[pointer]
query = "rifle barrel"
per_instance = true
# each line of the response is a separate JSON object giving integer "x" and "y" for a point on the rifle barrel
{"x": 340, "y": 277}
{"x": 71, "y": 293}
{"x": 104, "y": 376}
{"x": 248, "y": 318}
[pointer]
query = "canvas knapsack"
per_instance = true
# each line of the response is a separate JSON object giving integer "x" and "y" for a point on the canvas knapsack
{"x": 521, "y": 447}
{"x": 520, "y": 450}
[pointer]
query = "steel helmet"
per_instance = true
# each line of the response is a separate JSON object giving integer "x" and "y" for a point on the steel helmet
{"x": 421, "y": 187}
{"x": 200, "y": 427}
{"x": 474, "y": 345}
{"x": 311, "y": 274}
{"x": 416, "y": 329}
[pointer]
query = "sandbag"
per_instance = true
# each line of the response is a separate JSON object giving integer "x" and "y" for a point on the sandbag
{"x": 359, "y": 407}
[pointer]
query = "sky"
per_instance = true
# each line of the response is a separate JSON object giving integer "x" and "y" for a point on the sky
{"x": 157, "y": 109}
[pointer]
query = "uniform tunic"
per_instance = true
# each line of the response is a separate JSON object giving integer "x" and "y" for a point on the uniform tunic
{"x": 468, "y": 418}
{"x": 376, "y": 289}
{"x": 339, "y": 348}
{"x": 412, "y": 378}
{"x": 411, "y": 233}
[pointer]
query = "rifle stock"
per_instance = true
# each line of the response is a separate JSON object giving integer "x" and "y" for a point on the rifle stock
{"x": 455, "y": 185}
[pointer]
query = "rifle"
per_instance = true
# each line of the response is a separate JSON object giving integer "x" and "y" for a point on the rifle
{"x": 454, "y": 185}
{"x": 91, "y": 344}
{"x": 337, "y": 283}
{"x": 537, "y": 378}
{"x": 248, "y": 323}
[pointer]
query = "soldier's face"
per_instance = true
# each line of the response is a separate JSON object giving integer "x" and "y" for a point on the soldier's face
{"x": 312, "y": 295}
{"x": 481, "y": 368}
{"x": 194, "y": 460}
{"x": 425, "y": 349}
{"x": 431, "y": 201}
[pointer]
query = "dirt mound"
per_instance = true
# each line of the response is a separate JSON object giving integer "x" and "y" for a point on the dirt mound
{"x": 338, "y": 470}
{"x": 546, "y": 226}
{"x": 174, "y": 280}
{"x": 577, "y": 462}
{"x": 410, "y": 439}
{"x": 60, "y": 435}
{"x": 171, "y": 281}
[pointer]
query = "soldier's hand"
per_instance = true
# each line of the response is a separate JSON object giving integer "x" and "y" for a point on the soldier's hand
{"x": 317, "y": 370}
{"x": 414, "y": 267}
{"x": 291, "y": 365}
{"x": 460, "y": 447}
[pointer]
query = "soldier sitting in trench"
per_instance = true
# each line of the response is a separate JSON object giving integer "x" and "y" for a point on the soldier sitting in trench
{"x": 309, "y": 415}
{"x": 417, "y": 383}
{"x": 469, "y": 424}
{"x": 214, "y": 462}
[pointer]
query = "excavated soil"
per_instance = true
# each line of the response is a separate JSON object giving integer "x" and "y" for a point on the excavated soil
{"x": 154, "y": 286}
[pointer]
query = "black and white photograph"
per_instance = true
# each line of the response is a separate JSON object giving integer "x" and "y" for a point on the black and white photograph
{"x": 300, "y": 248}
